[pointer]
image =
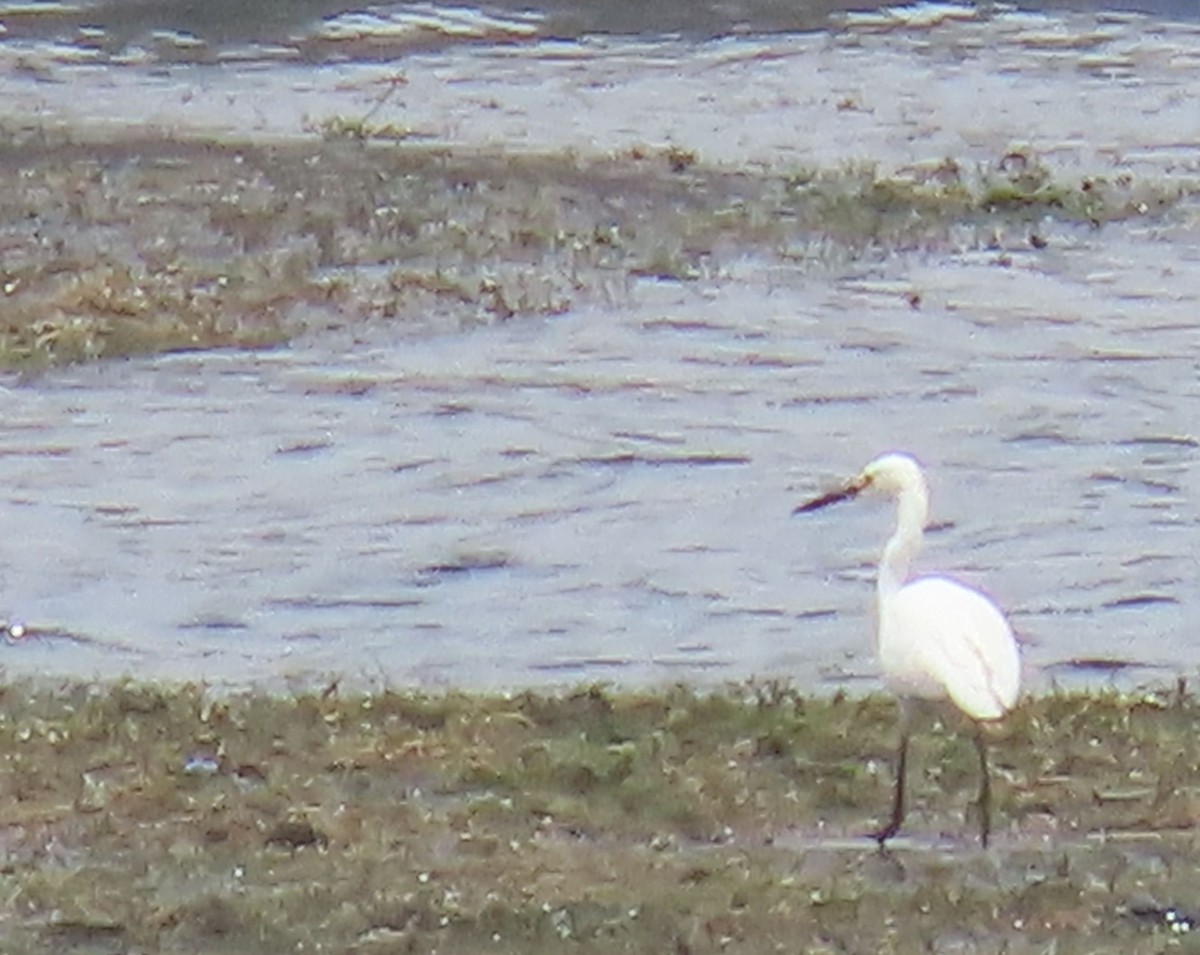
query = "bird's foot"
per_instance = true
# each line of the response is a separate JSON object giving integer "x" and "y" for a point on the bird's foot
{"x": 883, "y": 835}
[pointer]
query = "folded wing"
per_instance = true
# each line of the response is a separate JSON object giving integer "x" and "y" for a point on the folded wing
{"x": 945, "y": 639}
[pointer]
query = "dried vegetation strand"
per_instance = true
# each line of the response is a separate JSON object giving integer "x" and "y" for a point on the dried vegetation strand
{"x": 152, "y": 244}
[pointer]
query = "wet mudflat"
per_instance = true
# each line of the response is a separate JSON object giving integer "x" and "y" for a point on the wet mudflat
{"x": 138, "y": 818}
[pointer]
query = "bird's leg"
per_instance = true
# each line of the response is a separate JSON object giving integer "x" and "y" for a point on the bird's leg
{"x": 985, "y": 789}
{"x": 884, "y": 834}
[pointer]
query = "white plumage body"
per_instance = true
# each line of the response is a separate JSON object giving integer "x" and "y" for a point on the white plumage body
{"x": 938, "y": 639}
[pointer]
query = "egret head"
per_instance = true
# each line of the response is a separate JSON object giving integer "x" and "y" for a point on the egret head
{"x": 894, "y": 474}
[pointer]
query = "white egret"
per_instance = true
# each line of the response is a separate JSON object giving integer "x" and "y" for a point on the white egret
{"x": 937, "y": 638}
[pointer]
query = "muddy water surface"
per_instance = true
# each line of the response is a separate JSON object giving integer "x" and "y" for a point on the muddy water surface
{"x": 606, "y": 494}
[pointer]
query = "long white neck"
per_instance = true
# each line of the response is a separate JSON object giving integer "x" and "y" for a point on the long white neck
{"x": 912, "y": 512}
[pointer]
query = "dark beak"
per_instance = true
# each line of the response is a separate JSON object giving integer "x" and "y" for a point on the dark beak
{"x": 843, "y": 493}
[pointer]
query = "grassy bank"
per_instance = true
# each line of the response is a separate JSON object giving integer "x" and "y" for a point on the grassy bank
{"x": 151, "y": 818}
{"x": 139, "y": 243}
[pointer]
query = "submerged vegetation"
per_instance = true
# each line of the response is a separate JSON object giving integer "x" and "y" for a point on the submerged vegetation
{"x": 155, "y": 818}
{"x": 158, "y": 244}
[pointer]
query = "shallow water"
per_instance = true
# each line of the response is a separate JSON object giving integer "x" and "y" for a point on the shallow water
{"x": 607, "y": 494}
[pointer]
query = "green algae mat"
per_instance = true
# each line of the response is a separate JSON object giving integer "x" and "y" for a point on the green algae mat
{"x": 154, "y": 818}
